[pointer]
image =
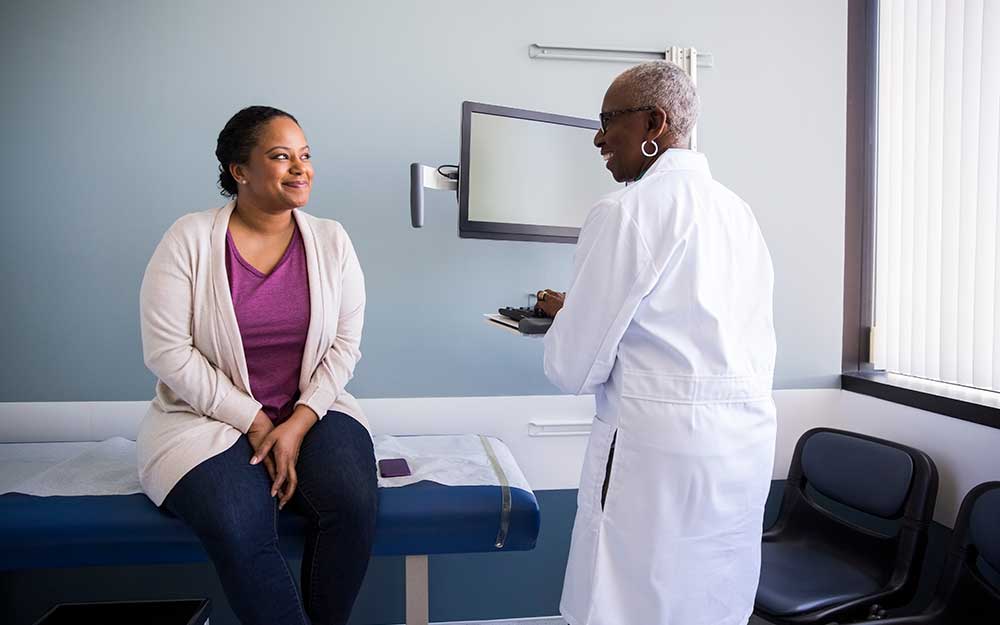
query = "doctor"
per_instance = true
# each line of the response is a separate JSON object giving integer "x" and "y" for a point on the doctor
{"x": 668, "y": 322}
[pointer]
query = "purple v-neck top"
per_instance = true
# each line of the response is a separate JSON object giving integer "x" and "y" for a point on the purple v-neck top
{"x": 273, "y": 315}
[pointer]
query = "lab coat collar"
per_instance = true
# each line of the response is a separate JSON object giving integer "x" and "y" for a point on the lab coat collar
{"x": 680, "y": 159}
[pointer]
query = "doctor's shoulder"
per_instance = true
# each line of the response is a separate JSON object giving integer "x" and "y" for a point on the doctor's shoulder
{"x": 727, "y": 197}
{"x": 725, "y": 192}
{"x": 608, "y": 204}
{"x": 659, "y": 192}
{"x": 660, "y": 207}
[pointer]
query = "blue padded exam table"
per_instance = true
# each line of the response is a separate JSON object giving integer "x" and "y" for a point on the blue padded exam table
{"x": 413, "y": 521}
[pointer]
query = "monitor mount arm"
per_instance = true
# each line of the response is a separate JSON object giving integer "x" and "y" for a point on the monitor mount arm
{"x": 421, "y": 177}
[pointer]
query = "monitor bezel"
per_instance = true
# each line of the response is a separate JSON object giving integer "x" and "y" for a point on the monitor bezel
{"x": 468, "y": 229}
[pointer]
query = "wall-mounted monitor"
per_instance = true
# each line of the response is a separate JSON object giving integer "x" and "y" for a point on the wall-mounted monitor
{"x": 526, "y": 175}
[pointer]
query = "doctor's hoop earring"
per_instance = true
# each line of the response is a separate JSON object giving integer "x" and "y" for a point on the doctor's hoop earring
{"x": 656, "y": 148}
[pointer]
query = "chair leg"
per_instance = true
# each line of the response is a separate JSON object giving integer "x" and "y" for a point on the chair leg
{"x": 417, "y": 610}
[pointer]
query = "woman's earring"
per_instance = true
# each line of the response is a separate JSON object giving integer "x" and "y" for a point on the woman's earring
{"x": 243, "y": 181}
{"x": 656, "y": 148}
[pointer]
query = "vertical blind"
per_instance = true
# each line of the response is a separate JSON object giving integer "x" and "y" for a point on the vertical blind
{"x": 937, "y": 241}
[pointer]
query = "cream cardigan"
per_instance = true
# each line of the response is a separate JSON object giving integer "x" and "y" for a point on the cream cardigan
{"x": 191, "y": 342}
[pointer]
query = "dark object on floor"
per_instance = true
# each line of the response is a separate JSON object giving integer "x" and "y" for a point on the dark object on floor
{"x": 178, "y": 612}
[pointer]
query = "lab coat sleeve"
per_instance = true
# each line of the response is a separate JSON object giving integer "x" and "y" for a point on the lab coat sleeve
{"x": 614, "y": 270}
{"x": 166, "y": 310}
{"x": 337, "y": 367}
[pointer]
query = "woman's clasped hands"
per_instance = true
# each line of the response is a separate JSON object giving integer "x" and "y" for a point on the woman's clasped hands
{"x": 278, "y": 448}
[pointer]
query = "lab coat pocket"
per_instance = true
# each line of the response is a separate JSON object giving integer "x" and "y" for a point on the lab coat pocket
{"x": 594, "y": 469}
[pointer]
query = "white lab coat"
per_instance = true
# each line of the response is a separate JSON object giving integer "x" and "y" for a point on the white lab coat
{"x": 668, "y": 321}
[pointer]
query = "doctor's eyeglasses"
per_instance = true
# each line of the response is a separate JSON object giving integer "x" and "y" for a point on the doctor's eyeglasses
{"x": 608, "y": 116}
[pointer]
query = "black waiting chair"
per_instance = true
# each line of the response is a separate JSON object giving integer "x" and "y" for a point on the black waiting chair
{"x": 968, "y": 592}
{"x": 818, "y": 563}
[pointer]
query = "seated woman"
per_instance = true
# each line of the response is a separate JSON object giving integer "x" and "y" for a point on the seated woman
{"x": 251, "y": 321}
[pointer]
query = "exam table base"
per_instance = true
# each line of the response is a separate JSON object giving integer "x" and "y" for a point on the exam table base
{"x": 417, "y": 611}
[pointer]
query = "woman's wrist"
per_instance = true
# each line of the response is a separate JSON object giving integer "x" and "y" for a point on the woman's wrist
{"x": 303, "y": 417}
{"x": 260, "y": 420}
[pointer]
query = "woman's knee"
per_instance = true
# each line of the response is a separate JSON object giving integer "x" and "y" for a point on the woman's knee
{"x": 229, "y": 516}
{"x": 340, "y": 431}
{"x": 338, "y": 454}
{"x": 361, "y": 500}
{"x": 238, "y": 539}
{"x": 341, "y": 485}
{"x": 342, "y": 499}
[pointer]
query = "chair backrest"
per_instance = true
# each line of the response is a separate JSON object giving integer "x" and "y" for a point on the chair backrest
{"x": 970, "y": 583}
{"x": 878, "y": 477}
{"x": 870, "y": 476}
{"x": 891, "y": 485}
{"x": 984, "y": 524}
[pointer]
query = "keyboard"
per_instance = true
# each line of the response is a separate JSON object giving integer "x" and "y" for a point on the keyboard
{"x": 520, "y": 313}
{"x": 529, "y": 320}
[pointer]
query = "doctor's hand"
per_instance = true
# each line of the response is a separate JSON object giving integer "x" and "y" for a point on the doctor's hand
{"x": 550, "y": 302}
{"x": 284, "y": 443}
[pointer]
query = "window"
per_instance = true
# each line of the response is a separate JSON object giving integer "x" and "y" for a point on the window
{"x": 937, "y": 284}
{"x": 922, "y": 256}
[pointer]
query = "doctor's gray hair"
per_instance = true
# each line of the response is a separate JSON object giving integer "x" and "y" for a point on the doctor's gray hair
{"x": 666, "y": 85}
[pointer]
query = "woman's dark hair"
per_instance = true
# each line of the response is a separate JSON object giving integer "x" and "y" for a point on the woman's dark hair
{"x": 238, "y": 138}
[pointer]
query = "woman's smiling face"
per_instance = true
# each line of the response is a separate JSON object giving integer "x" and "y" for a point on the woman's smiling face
{"x": 278, "y": 173}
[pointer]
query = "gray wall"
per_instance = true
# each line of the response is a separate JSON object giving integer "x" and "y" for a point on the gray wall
{"x": 110, "y": 111}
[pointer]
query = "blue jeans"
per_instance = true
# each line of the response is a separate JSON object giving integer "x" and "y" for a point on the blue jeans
{"x": 227, "y": 502}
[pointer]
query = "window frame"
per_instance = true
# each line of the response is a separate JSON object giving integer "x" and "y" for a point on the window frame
{"x": 858, "y": 375}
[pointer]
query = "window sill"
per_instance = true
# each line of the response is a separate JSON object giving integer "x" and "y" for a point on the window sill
{"x": 960, "y": 402}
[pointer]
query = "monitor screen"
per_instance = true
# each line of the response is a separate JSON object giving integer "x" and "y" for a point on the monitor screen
{"x": 526, "y": 175}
